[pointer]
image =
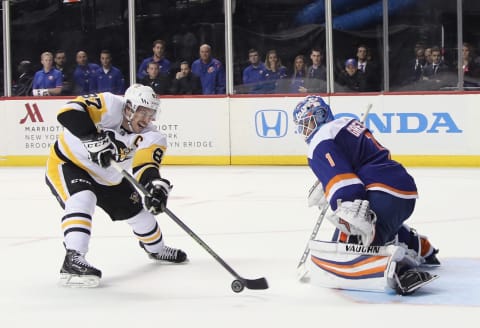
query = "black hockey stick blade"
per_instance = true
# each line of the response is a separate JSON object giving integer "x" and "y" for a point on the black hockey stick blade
{"x": 260, "y": 283}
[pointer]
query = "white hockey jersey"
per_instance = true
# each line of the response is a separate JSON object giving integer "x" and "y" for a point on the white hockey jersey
{"x": 134, "y": 150}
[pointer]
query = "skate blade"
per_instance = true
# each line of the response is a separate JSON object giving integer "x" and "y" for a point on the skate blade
{"x": 414, "y": 288}
{"x": 76, "y": 281}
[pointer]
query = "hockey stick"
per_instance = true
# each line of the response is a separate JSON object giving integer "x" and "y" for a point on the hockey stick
{"x": 364, "y": 116}
{"x": 301, "y": 270}
{"x": 239, "y": 283}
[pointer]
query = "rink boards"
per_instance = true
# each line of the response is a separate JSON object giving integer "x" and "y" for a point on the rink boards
{"x": 420, "y": 130}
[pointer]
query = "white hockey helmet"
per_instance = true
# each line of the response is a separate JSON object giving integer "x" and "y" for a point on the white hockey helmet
{"x": 141, "y": 95}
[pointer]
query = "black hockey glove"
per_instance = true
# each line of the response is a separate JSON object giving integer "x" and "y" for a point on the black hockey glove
{"x": 100, "y": 148}
{"x": 159, "y": 190}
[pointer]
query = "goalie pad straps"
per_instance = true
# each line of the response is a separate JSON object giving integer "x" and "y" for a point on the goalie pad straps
{"x": 355, "y": 218}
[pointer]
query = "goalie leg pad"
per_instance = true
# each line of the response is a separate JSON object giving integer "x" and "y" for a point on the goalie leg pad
{"x": 366, "y": 268}
{"x": 353, "y": 266}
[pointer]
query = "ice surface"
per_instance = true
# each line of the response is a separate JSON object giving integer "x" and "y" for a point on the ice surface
{"x": 257, "y": 220}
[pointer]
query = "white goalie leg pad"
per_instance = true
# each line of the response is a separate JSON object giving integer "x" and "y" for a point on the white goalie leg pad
{"x": 355, "y": 218}
{"x": 352, "y": 266}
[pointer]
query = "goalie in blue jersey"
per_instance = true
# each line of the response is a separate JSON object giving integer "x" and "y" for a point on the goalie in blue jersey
{"x": 370, "y": 195}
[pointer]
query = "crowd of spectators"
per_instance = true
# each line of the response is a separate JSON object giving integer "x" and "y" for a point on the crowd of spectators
{"x": 426, "y": 70}
{"x": 206, "y": 75}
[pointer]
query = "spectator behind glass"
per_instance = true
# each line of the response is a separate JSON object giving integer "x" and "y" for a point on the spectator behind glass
{"x": 60, "y": 63}
{"x": 428, "y": 55}
{"x": 437, "y": 68}
{"x": 160, "y": 83}
{"x": 471, "y": 70}
{"x": 253, "y": 75}
{"x": 274, "y": 73}
{"x": 83, "y": 75}
{"x": 297, "y": 80}
{"x": 211, "y": 72}
{"x": 164, "y": 65}
{"x": 352, "y": 79}
{"x": 417, "y": 65}
{"x": 47, "y": 81}
{"x": 316, "y": 74}
{"x": 23, "y": 85}
{"x": 108, "y": 78}
{"x": 437, "y": 75}
{"x": 409, "y": 70}
{"x": 369, "y": 68}
{"x": 186, "y": 83}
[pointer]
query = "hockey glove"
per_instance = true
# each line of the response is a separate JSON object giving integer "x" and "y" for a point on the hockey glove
{"x": 100, "y": 149}
{"x": 355, "y": 218}
{"x": 159, "y": 190}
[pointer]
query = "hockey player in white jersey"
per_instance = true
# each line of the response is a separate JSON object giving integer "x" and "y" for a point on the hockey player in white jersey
{"x": 371, "y": 197}
{"x": 100, "y": 128}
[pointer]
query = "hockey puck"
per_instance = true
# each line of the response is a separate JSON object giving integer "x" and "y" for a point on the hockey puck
{"x": 237, "y": 286}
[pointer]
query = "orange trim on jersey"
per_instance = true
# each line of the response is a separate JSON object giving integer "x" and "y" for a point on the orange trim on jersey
{"x": 337, "y": 179}
{"x": 384, "y": 186}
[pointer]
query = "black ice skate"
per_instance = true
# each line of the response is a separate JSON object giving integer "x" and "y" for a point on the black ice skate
{"x": 432, "y": 259}
{"x": 411, "y": 280}
{"x": 77, "y": 272}
{"x": 168, "y": 254}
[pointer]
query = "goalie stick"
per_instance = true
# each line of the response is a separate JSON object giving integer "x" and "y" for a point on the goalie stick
{"x": 301, "y": 269}
{"x": 239, "y": 283}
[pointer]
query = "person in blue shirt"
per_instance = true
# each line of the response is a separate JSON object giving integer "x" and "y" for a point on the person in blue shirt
{"x": 316, "y": 81}
{"x": 158, "y": 57}
{"x": 371, "y": 195}
{"x": 211, "y": 72}
{"x": 299, "y": 76}
{"x": 108, "y": 78}
{"x": 253, "y": 75}
{"x": 48, "y": 81}
{"x": 275, "y": 72}
{"x": 158, "y": 82}
{"x": 83, "y": 75}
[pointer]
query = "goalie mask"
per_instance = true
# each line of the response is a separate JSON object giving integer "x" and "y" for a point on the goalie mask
{"x": 310, "y": 114}
{"x": 138, "y": 95}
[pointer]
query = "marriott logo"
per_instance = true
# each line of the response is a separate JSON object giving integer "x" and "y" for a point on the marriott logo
{"x": 33, "y": 113}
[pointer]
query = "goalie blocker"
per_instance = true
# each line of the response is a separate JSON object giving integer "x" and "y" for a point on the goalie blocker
{"x": 365, "y": 268}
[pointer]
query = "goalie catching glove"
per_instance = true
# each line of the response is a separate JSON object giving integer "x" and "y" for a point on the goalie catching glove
{"x": 100, "y": 148}
{"x": 159, "y": 189}
{"x": 355, "y": 218}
